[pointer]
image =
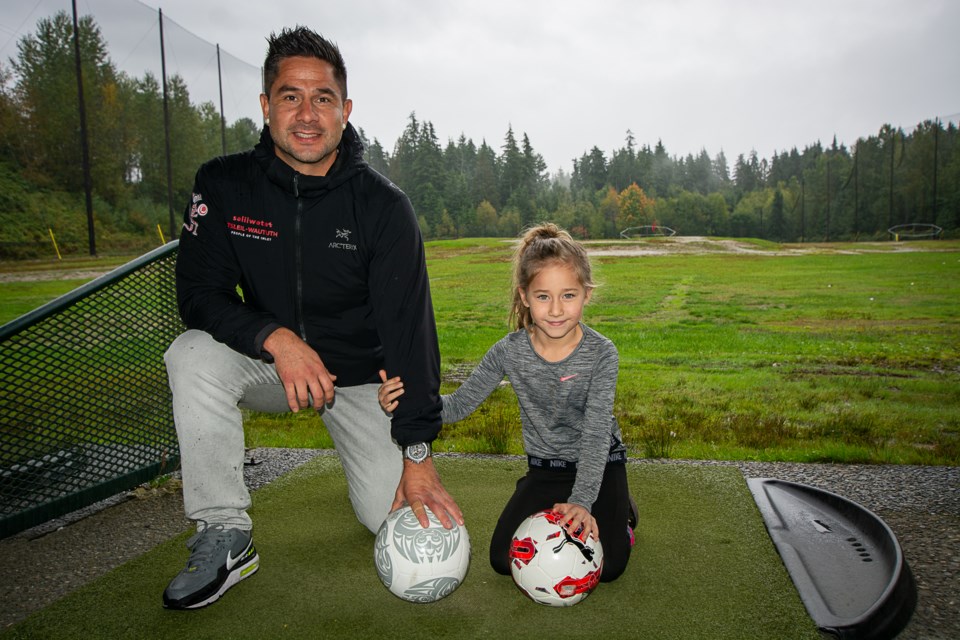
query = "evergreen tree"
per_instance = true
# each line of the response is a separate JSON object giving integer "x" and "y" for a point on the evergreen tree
{"x": 948, "y": 176}
{"x": 534, "y": 167}
{"x": 747, "y": 175}
{"x": 622, "y": 170}
{"x": 644, "y": 169}
{"x": 456, "y": 188}
{"x": 661, "y": 171}
{"x": 11, "y": 122}
{"x": 486, "y": 183}
{"x": 777, "y": 218}
{"x": 532, "y": 174}
{"x": 242, "y": 134}
{"x": 720, "y": 173}
{"x": 46, "y": 94}
{"x": 404, "y": 152}
{"x": 428, "y": 178}
{"x": 512, "y": 170}
{"x": 590, "y": 173}
{"x": 194, "y": 138}
{"x": 374, "y": 153}
{"x": 701, "y": 175}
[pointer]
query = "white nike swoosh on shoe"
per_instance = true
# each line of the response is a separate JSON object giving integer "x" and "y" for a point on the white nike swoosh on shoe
{"x": 232, "y": 562}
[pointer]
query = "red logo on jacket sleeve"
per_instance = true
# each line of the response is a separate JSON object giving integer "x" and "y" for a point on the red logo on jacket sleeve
{"x": 198, "y": 209}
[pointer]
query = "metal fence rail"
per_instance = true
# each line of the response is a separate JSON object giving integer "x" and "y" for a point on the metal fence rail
{"x": 84, "y": 403}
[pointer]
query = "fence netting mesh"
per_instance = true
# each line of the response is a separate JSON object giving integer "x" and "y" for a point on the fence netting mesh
{"x": 85, "y": 406}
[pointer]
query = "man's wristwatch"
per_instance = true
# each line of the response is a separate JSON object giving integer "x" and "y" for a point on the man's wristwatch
{"x": 417, "y": 452}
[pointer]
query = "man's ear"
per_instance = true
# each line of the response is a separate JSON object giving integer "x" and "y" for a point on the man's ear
{"x": 265, "y": 107}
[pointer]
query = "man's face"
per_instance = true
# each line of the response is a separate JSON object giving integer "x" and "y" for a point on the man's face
{"x": 307, "y": 114}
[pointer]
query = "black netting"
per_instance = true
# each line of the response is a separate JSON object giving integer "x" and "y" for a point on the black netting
{"x": 84, "y": 406}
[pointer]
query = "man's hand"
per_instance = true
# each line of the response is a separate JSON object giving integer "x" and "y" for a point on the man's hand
{"x": 420, "y": 486}
{"x": 301, "y": 370}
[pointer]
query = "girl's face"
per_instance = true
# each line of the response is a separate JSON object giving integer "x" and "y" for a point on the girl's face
{"x": 556, "y": 299}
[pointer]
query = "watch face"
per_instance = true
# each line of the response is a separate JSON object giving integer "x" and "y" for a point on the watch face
{"x": 417, "y": 452}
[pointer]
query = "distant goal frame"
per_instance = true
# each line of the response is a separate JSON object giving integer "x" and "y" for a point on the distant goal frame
{"x": 915, "y": 231}
{"x": 647, "y": 231}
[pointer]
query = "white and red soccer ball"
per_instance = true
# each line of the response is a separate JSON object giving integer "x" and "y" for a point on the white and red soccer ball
{"x": 551, "y": 566}
{"x": 417, "y": 564}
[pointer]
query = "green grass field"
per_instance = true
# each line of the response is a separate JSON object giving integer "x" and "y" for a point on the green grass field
{"x": 831, "y": 355}
{"x": 746, "y": 350}
{"x": 22, "y": 297}
{"x": 28, "y": 284}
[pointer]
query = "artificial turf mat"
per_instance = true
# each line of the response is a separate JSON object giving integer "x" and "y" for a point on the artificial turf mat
{"x": 703, "y": 567}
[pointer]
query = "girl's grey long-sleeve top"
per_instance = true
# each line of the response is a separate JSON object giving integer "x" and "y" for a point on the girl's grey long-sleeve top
{"x": 566, "y": 407}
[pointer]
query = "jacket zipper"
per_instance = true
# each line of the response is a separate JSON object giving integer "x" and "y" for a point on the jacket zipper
{"x": 298, "y": 258}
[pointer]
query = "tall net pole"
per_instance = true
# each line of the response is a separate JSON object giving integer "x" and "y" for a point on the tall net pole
{"x": 84, "y": 146}
{"x": 166, "y": 130}
{"x": 223, "y": 118}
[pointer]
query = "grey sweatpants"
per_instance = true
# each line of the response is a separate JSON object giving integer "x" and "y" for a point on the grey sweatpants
{"x": 211, "y": 383}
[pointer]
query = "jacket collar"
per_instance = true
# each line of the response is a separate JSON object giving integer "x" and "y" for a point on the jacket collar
{"x": 349, "y": 161}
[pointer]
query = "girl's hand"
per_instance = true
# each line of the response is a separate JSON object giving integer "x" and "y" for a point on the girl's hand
{"x": 389, "y": 391}
{"x": 575, "y": 517}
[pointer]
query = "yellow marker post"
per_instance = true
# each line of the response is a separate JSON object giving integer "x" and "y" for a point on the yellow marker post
{"x": 160, "y": 231}
{"x": 55, "y": 247}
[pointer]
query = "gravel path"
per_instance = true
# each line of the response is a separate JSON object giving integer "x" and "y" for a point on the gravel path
{"x": 920, "y": 504}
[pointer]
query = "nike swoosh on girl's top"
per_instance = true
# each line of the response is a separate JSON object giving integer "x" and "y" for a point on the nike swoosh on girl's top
{"x": 565, "y": 378}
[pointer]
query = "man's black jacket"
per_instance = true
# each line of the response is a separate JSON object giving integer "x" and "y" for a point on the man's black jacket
{"x": 337, "y": 259}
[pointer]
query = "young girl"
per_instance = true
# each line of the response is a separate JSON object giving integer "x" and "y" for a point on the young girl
{"x": 565, "y": 376}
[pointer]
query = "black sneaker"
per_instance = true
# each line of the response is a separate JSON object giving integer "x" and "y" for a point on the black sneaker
{"x": 219, "y": 559}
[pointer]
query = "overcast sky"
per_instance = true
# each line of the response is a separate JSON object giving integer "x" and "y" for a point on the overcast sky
{"x": 730, "y": 75}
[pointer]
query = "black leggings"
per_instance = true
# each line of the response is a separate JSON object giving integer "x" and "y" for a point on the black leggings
{"x": 541, "y": 489}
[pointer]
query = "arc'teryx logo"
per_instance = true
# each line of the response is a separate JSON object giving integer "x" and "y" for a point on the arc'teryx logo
{"x": 343, "y": 234}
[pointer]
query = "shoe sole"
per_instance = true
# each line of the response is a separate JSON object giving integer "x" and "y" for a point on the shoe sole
{"x": 239, "y": 573}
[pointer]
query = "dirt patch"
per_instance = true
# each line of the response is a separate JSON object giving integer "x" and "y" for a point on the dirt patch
{"x": 40, "y": 276}
{"x": 702, "y": 245}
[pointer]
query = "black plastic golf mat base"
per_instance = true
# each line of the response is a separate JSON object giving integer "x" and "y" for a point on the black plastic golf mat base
{"x": 844, "y": 560}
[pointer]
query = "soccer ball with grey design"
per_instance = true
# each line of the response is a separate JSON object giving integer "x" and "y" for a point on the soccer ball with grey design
{"x": 417, "y": 564}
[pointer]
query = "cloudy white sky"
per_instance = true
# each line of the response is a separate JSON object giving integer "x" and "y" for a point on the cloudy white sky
{"x": 730, "y": 75}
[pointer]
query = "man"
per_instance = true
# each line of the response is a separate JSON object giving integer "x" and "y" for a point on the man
{"x": 333, "y": 287}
